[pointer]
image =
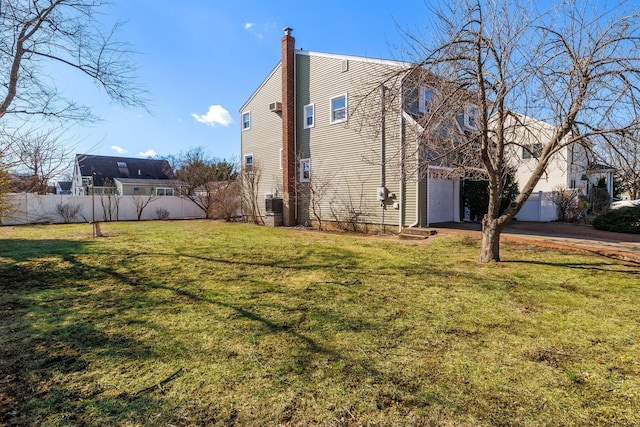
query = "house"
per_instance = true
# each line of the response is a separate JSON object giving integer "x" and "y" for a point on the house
{"x": 121, "y": 175}
{"x": 307, "y": 152}
{"x": 63, "y": 187}
{"x": 570, "y": 168}
{"x": 338, "y": 138}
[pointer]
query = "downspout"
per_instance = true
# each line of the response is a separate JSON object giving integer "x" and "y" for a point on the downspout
{"x": 428, "y": 198}
{"x": 295, "y": 137}
{"x": 418, "y": 219}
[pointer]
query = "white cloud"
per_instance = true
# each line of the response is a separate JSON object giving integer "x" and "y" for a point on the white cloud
{"x": 250, "y": 26}
{"x": 149, "y": 153}
{"x": 118, "y": 150}
{"x": 216, "y": 115}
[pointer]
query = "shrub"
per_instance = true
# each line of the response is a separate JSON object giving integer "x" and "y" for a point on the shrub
{"x": 567, "y": 203}
{"x": 67, "y": 211}
{"x": 162, "y": 213}
{"x": 623, "y": 220}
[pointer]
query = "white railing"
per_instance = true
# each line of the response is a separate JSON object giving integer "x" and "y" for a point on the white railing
{"x": 25, "y": 208}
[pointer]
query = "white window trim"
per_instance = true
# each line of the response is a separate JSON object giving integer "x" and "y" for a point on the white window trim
{"x": 346, "y": 109}
{"x": 281, "y": 151}
{"x": 313, "y": 116}
{"x": 302, "y": 178}
{"x": 242, "y": 119}
{"x": 244, "y": 162}
{"x": 421, "y": 98}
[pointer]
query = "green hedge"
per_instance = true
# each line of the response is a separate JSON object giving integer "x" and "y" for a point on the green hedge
{"x": 623, "y": 220}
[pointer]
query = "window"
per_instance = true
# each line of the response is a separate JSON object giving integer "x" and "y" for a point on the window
{"x": 426, "y": 97}
{"x": 470, "y": 117}
{"x": 87, "y": 181}
{"x": 305, "y": 170}
{"x": 308, "y": 116}
{"x": 122, "y": 164}
{"x": 246, "y": 121}
{"x": 139, "y": 190}
{"x": 164, "y": 191}
{"x": 248, "y": 163}
{"x": 532, "y": 152}
{"x": 338, "y": 109}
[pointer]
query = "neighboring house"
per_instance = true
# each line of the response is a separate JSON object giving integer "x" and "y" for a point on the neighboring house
{"x": 63, "y": 187}
{"x": 299, "y": 137}
{"x": 570, "y": 168}
{"x": 121, "y": 175}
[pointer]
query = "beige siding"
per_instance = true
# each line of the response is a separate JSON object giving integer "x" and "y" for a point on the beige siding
{"x": 264, "y": 138}
{"x": 411, "y": 188}
{"x": 346, "y": 155}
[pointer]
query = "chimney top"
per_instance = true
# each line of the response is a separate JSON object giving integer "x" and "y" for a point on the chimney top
{"x": 287, "y": 31}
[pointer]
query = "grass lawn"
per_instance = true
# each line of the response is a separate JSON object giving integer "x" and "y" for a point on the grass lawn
{"x": 206, "y": 323}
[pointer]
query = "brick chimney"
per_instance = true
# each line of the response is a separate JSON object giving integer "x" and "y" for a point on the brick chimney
{"x": 288, "y": 128}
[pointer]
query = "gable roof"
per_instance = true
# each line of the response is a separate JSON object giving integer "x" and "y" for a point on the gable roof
{"x": 108, "y": 167}
{"x": 301, "y": 52}
{"x": 64, "y": 185}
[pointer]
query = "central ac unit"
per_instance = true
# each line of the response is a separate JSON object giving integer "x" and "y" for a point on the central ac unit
{"x": 275, "y": 107}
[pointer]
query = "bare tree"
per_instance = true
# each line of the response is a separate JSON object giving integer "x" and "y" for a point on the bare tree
{"x": 312, "y": 191}
{"x": 522, "y": 81}
{"x": 67, "y": 211}
{"x": 40, "y": 154}
{"x": 141, "y": 202}
{"x": 36, "y": 33}
{"x": 250, "y": 179}
{"x": 110, "y": 203}
{"x": 200, "y": 177}
{"x": 566, "y": 202}
{"x": 225, "y": 199}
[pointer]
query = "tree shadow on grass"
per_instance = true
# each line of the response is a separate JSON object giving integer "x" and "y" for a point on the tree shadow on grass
{"x": 49, "y": 332}
{"x": 619, "y": 267}
{"x": 306, "y": 349}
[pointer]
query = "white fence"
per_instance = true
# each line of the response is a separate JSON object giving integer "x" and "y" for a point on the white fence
{"x": 538, "y": 208}
{"x": 27, "y": 208}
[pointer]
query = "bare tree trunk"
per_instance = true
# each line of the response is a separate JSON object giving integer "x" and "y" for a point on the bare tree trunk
{"x": 490, "y": 244}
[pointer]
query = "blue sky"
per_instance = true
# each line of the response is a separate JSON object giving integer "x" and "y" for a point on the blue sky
{"x": 200, "y": 60}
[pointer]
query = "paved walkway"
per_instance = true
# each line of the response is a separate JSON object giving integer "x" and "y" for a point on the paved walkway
{"x": 559, "y": 235}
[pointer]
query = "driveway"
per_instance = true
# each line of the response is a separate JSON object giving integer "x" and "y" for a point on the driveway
{"x": 560, "y": 235}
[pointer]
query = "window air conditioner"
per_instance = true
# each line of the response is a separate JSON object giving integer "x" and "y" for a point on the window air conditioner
{"x": 275, "y": 107}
